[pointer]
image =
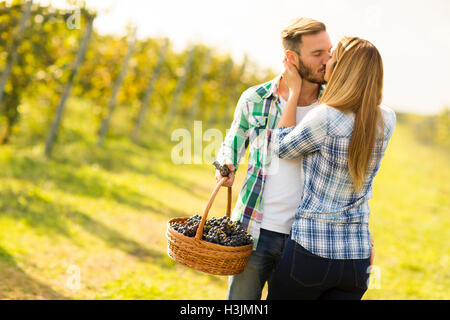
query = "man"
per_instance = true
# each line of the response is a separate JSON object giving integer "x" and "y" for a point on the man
{"x": 270, "y": 194}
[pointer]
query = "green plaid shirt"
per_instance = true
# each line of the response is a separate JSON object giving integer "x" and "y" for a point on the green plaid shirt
{"x": 257, "y": 114}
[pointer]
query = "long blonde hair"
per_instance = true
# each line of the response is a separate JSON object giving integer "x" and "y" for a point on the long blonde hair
{"x": 356, "y": 85}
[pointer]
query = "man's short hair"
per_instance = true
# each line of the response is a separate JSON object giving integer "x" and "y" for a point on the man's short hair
{"x": 291, "y": 36}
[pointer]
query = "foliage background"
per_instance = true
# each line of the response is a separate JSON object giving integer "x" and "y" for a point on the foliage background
{"x": 103, "y": 210}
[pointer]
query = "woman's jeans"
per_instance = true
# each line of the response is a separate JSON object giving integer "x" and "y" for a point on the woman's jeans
{"x": 302, "y": 275}
{"x": 248, "y": 285}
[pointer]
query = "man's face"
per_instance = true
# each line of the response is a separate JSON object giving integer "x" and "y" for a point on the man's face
{"x": 315, "y": 51}
{"x": 330, "y": 66}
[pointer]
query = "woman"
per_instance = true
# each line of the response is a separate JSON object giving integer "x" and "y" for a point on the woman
{"x": 342, "y": 142}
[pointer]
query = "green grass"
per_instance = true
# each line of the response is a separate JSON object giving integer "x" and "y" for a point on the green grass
{"x": 410, "y": 220}
{"x": 104, "y": 210}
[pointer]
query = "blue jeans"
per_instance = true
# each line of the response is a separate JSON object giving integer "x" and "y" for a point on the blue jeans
{"x": 302, "y": 275}
{"x": 248, "y": 285}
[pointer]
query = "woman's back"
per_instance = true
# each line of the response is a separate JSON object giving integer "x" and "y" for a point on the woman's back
{"x": 332, "y": 219}
{"x": 329, "y": 188}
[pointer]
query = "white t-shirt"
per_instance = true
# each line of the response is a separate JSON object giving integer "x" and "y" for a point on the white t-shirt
{"x": 283, "y": 186}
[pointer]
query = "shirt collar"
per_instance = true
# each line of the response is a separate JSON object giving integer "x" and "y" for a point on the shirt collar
{"x": 272, "y": 87}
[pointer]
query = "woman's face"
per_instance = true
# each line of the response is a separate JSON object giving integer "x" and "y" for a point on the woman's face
{"x": 330, "y": 66}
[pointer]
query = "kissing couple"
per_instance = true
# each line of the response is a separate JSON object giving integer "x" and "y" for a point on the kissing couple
{"x": 316, "y": 136}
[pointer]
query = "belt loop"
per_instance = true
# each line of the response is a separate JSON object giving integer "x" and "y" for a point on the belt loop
{"x": 286, "y": 238}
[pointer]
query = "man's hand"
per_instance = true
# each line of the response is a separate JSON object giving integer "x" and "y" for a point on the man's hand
{"x": 230, "y": 179}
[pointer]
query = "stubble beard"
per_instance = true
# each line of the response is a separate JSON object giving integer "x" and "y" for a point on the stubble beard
{"x": 307, "y": 74}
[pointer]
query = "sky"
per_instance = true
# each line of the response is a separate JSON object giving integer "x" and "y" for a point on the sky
{"x": 412, "y": 35}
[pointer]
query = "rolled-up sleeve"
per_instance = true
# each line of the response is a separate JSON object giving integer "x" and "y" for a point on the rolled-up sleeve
{"x": 306, "y": 137}
{"x": 236, "y": 141}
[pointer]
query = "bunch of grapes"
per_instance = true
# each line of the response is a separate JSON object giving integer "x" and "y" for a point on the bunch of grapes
{"x": 221, "y": 231}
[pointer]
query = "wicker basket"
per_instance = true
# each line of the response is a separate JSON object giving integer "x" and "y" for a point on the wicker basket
{"x": 204, "y": 256}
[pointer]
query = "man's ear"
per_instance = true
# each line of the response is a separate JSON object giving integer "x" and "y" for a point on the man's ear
{"x": 292, "y": 57}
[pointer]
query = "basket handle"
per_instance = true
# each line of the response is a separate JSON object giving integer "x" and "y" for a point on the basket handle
{"x": 199, "y": 233}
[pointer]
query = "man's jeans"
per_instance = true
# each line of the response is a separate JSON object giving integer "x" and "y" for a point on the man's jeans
{"x": 248, "y": 285}
{"x": 303, "y": 275}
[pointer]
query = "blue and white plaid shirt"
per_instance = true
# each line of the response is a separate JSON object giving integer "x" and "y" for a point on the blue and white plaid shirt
{"x": 332, "y": 220}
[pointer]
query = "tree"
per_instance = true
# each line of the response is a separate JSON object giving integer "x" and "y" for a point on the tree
{"x": 112, "y": 102}
{"x": 11, "y": 61}
{"x": 179, "y": 89}
{"x": 61, "y": 107}
{"x": 149, "y": 90}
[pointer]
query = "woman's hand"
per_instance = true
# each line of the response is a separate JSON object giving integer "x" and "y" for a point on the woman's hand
{"x": 292, "y": 78}
{"x": 372, "y": 253}
{"x": 294, "y": 82}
